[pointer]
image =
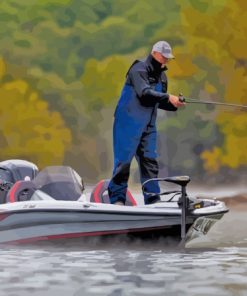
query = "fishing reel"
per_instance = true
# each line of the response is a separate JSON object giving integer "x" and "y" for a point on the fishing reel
{"x": 181, "y": 98}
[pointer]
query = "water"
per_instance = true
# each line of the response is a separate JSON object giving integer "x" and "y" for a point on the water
{"x": 213, "y": 265}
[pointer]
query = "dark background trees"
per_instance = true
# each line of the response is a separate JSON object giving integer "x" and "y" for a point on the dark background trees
{"x": 63, "y": 64}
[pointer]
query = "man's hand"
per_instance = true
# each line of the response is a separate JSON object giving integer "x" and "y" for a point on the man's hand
{"x": 174, "y": 100}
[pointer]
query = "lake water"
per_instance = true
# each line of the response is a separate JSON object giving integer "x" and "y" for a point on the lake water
{"x": 213, "y": 265}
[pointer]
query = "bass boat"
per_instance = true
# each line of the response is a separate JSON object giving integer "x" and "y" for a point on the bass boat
{"x": 51, "y": 204}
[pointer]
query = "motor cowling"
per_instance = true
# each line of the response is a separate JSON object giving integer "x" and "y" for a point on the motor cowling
{"x": 12, "y": 171}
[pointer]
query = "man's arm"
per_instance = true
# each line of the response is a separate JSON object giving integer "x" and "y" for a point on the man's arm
{"x": 149, "y": 97}
{"x": 167, "y": 106}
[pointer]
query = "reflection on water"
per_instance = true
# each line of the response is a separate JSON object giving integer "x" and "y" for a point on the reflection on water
{"x": 137, "y": 268}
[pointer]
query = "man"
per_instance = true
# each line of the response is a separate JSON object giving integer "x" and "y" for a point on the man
{"x": 134, "y": 131}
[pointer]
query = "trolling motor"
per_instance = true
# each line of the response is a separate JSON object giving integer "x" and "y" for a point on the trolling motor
{"x": 182, "y": 181}
{"x": 182, "y": 99}
{"x": 184, "y": 203}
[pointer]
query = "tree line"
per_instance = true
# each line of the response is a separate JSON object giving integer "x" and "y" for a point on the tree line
{"x": 63, "y": 64}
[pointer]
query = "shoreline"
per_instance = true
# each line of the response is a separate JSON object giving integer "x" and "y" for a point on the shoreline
{"x": 236, "y": 202}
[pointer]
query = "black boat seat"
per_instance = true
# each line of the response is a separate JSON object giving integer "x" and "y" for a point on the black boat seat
{"x": 100, "y": 194}
{"x": 21, "y": 191}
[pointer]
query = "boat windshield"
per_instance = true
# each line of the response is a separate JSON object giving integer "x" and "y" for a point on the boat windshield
{"x": 60, "y": 182}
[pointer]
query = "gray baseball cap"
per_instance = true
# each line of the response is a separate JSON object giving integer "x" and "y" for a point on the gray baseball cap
{"x": 164, "y": 48}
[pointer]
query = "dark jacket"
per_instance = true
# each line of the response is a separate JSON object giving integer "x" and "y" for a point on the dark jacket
{"x": 144, "y": 76}
{"x": 145, "y": 91}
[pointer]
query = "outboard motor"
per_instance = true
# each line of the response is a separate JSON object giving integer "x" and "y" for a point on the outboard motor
{"x": 14, "y": 170}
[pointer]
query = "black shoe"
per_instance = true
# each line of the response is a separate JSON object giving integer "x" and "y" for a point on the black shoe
{"x": 153, "y": 200}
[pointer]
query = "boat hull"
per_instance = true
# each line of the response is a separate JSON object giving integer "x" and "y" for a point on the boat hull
{"x": 37, "y": 222}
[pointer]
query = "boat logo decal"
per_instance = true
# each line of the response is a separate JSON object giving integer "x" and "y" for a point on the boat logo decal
{"x": 29, "y": 206}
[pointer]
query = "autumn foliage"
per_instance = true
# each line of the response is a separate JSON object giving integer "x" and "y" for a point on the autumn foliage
{"x": 63, "y": 64}
{"x": 28, "y": 129}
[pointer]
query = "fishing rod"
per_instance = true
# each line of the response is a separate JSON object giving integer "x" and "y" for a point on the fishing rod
{"x": 188, "y": 100}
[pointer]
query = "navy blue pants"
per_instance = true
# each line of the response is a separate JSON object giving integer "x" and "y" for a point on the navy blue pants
{"x": 131, "y": 140}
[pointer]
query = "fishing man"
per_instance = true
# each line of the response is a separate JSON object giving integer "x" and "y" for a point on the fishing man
{"x": 134, "y": 130}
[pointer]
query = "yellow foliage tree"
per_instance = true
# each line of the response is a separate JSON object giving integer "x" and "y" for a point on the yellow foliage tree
{"x": 103, "y": 80}
{"x": 2, "y": 68}
{"x": 217, "y": 32}
{"x": 28, "y": 129}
